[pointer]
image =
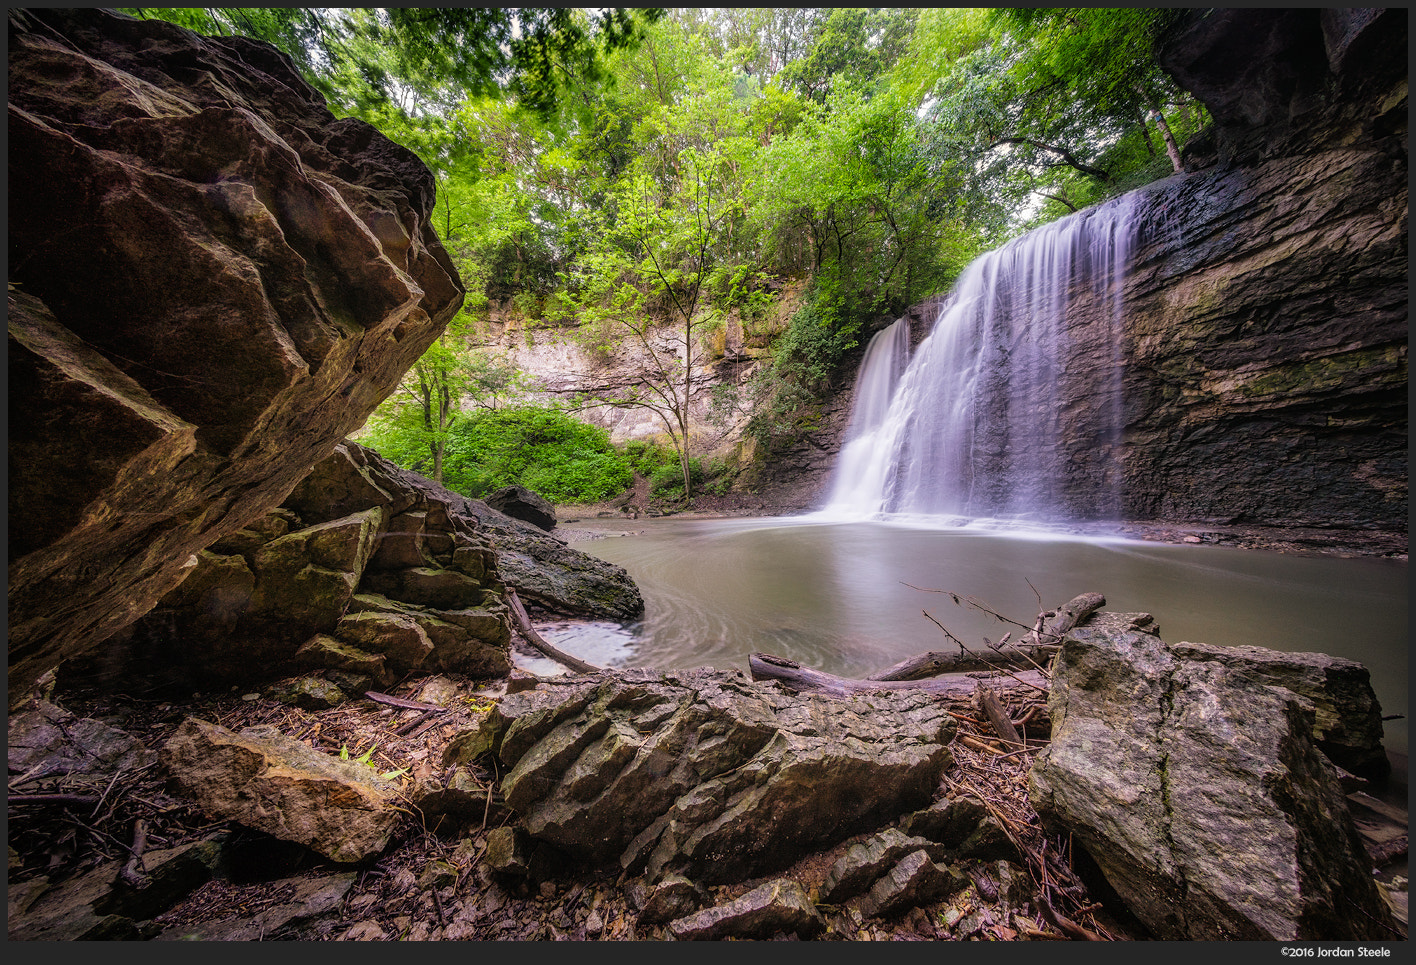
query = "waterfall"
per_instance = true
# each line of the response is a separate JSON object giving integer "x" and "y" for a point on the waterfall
{"x": 1011, "y": 408}
{"x": 860, "y": 471}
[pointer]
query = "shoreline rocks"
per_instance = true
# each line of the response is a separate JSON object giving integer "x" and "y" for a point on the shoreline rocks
{"x": 1195, "y": 783}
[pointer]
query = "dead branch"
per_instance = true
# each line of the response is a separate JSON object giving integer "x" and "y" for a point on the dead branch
{"x": 936, "y": 662}
{"x": 133, "y": 870}
{"x": 529, "y": 634}
{"x": 392, "y": 701}
{"x": 988, "y": 702}
{"x": 52, "y": 799}
{"x": 1072, "y": 613}
{"x": 767, "y": 667}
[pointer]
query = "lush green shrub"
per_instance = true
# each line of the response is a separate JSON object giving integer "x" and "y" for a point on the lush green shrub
{"x": 538, "y": 447}
{"x": 646, "y": 457}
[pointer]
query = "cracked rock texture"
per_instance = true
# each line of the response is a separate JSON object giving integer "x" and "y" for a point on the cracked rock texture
{"x": 1199, "y": 792}
{"x": 212, "y": 282}
{"x": 706, "y": 773}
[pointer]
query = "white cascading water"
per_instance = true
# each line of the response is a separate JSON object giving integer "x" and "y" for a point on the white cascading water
{"x": 859, "y": 476}
{"x": 977, "y": 425}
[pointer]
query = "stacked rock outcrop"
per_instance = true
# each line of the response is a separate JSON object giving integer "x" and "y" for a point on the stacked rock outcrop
{"x": 212, "y": 281}
{"x": 367, "y": 572}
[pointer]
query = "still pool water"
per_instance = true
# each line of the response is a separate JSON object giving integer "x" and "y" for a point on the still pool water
{"x": 853, "y": 598}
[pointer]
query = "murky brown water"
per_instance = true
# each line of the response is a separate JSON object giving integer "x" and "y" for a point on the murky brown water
{"x": 838, "y": 597}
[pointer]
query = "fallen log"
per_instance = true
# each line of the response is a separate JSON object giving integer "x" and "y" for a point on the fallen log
{"x": 1045, "y": 639}
{"x": 937, "y": 662}
{"x": 764, "y": 666}
{"x": 529, "y": 634}
{"x": 1056, "y": 623}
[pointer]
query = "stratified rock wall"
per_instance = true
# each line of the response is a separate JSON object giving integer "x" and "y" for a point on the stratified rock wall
{"x": 1266, "y": 313}
{"x": 1266, "y": 345}
{"x": 212, "y": 282}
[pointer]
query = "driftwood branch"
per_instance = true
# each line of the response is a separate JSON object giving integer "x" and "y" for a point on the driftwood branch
{"x": 992, "y": 708}
{"x": 1070, "y": 614}
{"x": 52, "y": 799}
{"x": 767, "y": 667}
{"x": 133, "y": 873}
{"x": 937, "y": 662}
{"x": 529, "y": 634}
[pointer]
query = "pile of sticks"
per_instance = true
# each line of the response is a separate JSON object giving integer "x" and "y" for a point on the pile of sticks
{"x": 950, "y": 674}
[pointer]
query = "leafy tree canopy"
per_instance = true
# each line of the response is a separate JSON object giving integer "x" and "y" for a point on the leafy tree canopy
{"x": 531, "y": 53}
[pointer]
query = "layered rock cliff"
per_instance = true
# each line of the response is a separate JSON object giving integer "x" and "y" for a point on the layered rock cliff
{"x": 1266, "y": 316}
{"x": 212, "y": 282}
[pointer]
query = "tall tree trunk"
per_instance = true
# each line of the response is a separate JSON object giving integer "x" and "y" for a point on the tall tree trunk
{"x": 1145, "y": 133}
{"x": 1170, "y": 146}
{"x": 687, "y": 400}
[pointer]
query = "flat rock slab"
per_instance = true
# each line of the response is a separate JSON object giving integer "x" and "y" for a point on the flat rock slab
{"x": 273, "y": 783}
{"x": 45, "y": 739}
{"x": 518, "y": 502}
{"x": 298, "y": 902}
{"x": 777, "y": 907}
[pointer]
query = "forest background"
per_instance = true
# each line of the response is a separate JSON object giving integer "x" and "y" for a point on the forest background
{"x": 645, "y": 177}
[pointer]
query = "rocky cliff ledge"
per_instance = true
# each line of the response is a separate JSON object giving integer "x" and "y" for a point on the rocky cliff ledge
{"x": 212, "y": 282}
{"x": 1266, "y": 352}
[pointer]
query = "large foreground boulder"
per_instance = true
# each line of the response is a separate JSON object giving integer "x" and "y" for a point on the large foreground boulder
{"x": 706, "y": 773}
{"x": 1196, "y": 786}
{"x": 212, "y": 282}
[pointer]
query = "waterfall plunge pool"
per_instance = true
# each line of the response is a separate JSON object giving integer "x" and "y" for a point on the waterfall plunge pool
{"x": 838, "y": 596}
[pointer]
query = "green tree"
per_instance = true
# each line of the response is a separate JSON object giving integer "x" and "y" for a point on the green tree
{"x": 1053, "y": 103}
{"x": 853, "y": 46}
{"x": 653, "y": 266}
{"x": 414, "y": 426}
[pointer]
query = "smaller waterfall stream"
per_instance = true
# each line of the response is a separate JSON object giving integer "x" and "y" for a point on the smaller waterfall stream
{"x": 1011, "y": 407}
{"x": 859, "y": 472}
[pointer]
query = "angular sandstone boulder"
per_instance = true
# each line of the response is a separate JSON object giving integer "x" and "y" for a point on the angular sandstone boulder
{"x": 706, "y": 773}
{"x": 1199, "y": 792}
{"x": 272, "y": 783}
